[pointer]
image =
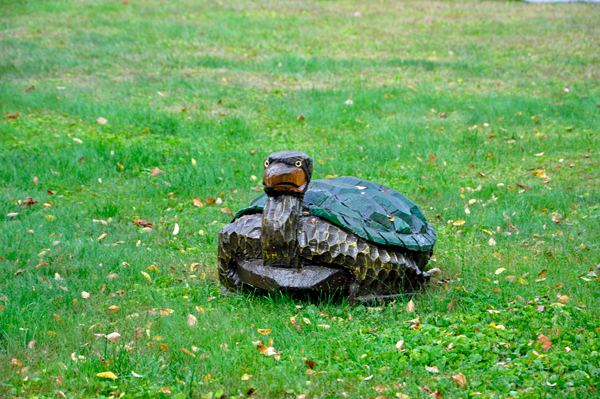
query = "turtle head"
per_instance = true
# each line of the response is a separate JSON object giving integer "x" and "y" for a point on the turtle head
{"x": 287, "y": 173}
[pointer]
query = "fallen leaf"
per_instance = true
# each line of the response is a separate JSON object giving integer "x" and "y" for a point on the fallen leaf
{"x": 157, "y": 171}
{"x": 147, "y": 276}
{"x": 107, "y": 374}
{"x": 411, "y": 87}
{"x": 459, "y": 223}
{"x": 310, "y": 363}
{"x": 187, "y": 351}
{"x": 264, "y": 331}
{"x": 12, "y": 214}
{"x": 198, "y": 202}
{"x": 113, "y": 337}
{"x": 500, "y": 270}
{"x": 400, "y": 346}
{"x": 143, "y": 223}
{"x": 432, "y": 369}
{"x": 545, "y": 341}
{"x": 102, "y": 237}
{"x": 460, "y": 379}
{"x": 543, "y": 273}
{"x": 380, "y": 389}
{"x": 166, "y": 312}
{"x": 102, "y": 121}
{"x": 410, "y": 307}
{"x": 492, "y": 242}
{"x": 85, "y": 294}
{"x": 113, "y": 308}
{"x": 563, "y": 299}
{"x": 176, "y": 229}
{"x": 192, "y": 320}
{"x": 246, "y": 377}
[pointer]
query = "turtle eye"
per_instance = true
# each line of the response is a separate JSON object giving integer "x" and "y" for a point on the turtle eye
{"x": 266, "y": 163}
{"x": 298, "y": 163}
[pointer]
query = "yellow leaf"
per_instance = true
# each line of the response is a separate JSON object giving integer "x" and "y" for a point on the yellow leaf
{"x": 154, "y": 268}
{"x": 164, "y": 347}
{"x": 107, "y": 374}
{"x": 264, "y": 331}
{"x": 147, "y": 277}
{"x": 563, "y": 299}
{"x": 543, "y": 273}
{"x": 102, "y": 237}
{"x": 246, "y": 377}
{"x": 200, "y": 309}
{"x": 187, "y": 351}
{"x": 500, "y": 270}
{"x": 459, "y": 223}
{"x": 193, "y": 162}
{"x": 113, "y": 308}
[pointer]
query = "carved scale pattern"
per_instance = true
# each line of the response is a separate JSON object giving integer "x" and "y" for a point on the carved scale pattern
{"x": 377, "y": 270}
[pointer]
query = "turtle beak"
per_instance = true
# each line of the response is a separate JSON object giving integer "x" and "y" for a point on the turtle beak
{"x": 283, "y": 178}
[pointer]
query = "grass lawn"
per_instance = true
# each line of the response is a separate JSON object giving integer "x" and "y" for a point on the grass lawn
{"x": 485, "y": 113}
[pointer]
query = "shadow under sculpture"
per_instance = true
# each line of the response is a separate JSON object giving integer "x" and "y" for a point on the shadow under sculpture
{"x": 342, "y": 234}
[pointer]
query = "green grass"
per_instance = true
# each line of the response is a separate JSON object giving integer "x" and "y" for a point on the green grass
{"x": 192, "y": 88}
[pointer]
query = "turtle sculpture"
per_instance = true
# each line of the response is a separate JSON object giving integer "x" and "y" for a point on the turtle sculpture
{"x": 344, "y": 234}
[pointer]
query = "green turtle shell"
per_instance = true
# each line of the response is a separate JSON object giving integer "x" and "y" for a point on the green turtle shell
{"x": 370, "y": 210}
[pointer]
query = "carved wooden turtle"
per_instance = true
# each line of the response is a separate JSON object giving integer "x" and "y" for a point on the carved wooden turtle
{"x": 343, "y": 233}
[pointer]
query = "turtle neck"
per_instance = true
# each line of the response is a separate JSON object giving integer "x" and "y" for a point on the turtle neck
{"x": 281, "y": 216}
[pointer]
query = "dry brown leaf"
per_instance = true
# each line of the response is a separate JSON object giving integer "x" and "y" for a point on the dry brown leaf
{"x": 410, "y": 307}
{"x": 460, "y": 379}
{"x": 166, "y": 312}
{"x": 310, "y": 363}
{"x": 451, "y": 304}
{"x": 545, "y": 341}
{"x": 543, "y": 273}
{"x": 432, "y": 369}
{"x": 113, "y": 308}
{"x": 563, "y": 299}
{"x": 264, "y": 331}
{"x": 198, "y": 202}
